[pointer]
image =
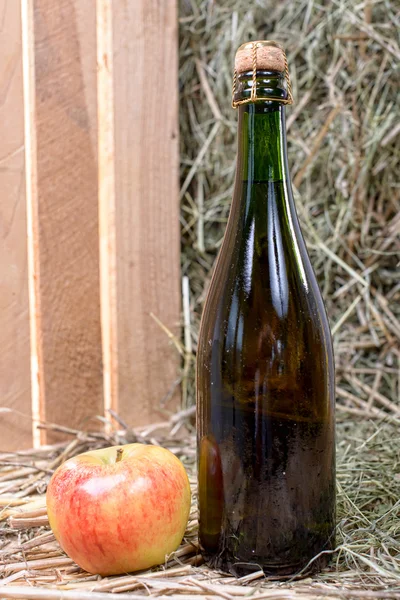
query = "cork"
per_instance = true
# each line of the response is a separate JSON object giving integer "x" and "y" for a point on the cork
{"x": 270, "y": 56}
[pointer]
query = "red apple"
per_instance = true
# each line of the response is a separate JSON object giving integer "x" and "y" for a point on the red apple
{"x": 119, "y": 509}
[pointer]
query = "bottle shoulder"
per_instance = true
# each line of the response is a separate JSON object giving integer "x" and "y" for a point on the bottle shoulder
{"x": 263, "y": 277}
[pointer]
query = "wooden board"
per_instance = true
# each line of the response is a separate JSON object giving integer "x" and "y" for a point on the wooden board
{"x": 15, "y": 429}
{"x": 139, "y": 208}
{"x": 60, "y": 55}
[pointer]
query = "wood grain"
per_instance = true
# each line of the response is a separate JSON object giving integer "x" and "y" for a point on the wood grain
{"x": 61, "y": 51}
{"x": 139, "y": 208}
{"x": 15, "y": 430}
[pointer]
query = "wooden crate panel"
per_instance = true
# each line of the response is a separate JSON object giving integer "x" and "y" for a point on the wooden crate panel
{"x": 137, "y": 52}
{"x": 61, "y": 95}
{"x": 15, "y": 429}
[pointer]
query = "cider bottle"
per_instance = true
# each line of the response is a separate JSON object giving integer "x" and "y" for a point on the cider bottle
{"x": 265, "y": 369}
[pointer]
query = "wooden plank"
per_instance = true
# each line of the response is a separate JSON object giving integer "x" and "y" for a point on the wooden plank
{"x": 139, "y": 209}
{"x": 60, "y": 48}
{"x": 15, "y": 430}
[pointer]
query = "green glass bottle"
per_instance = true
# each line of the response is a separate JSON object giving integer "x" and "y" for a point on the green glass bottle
{"x": 265, "y": 369}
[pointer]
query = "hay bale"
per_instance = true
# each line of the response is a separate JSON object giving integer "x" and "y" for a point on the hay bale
{"x": 344, "y": 151}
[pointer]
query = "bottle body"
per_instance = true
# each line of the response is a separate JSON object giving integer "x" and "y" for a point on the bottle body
{"x": 265, "y": 376}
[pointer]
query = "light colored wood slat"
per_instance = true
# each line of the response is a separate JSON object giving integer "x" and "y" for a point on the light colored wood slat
{"x": 15, "y": 430}
{"x": 60, "y": 51}
{"x": 139, "y": 209}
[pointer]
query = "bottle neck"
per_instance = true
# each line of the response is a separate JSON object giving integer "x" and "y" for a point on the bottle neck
{"x": 262, "y": 154}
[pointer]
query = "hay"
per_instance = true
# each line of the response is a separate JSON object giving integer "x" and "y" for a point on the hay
{"x": 344, "y": 155}
{"x": 366, "y": 563}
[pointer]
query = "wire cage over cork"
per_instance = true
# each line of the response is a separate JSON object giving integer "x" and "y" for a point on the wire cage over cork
{"x": 253, "y": 96}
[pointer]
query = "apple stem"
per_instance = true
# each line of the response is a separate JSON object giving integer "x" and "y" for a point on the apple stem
{"x": 119, "y": 454}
